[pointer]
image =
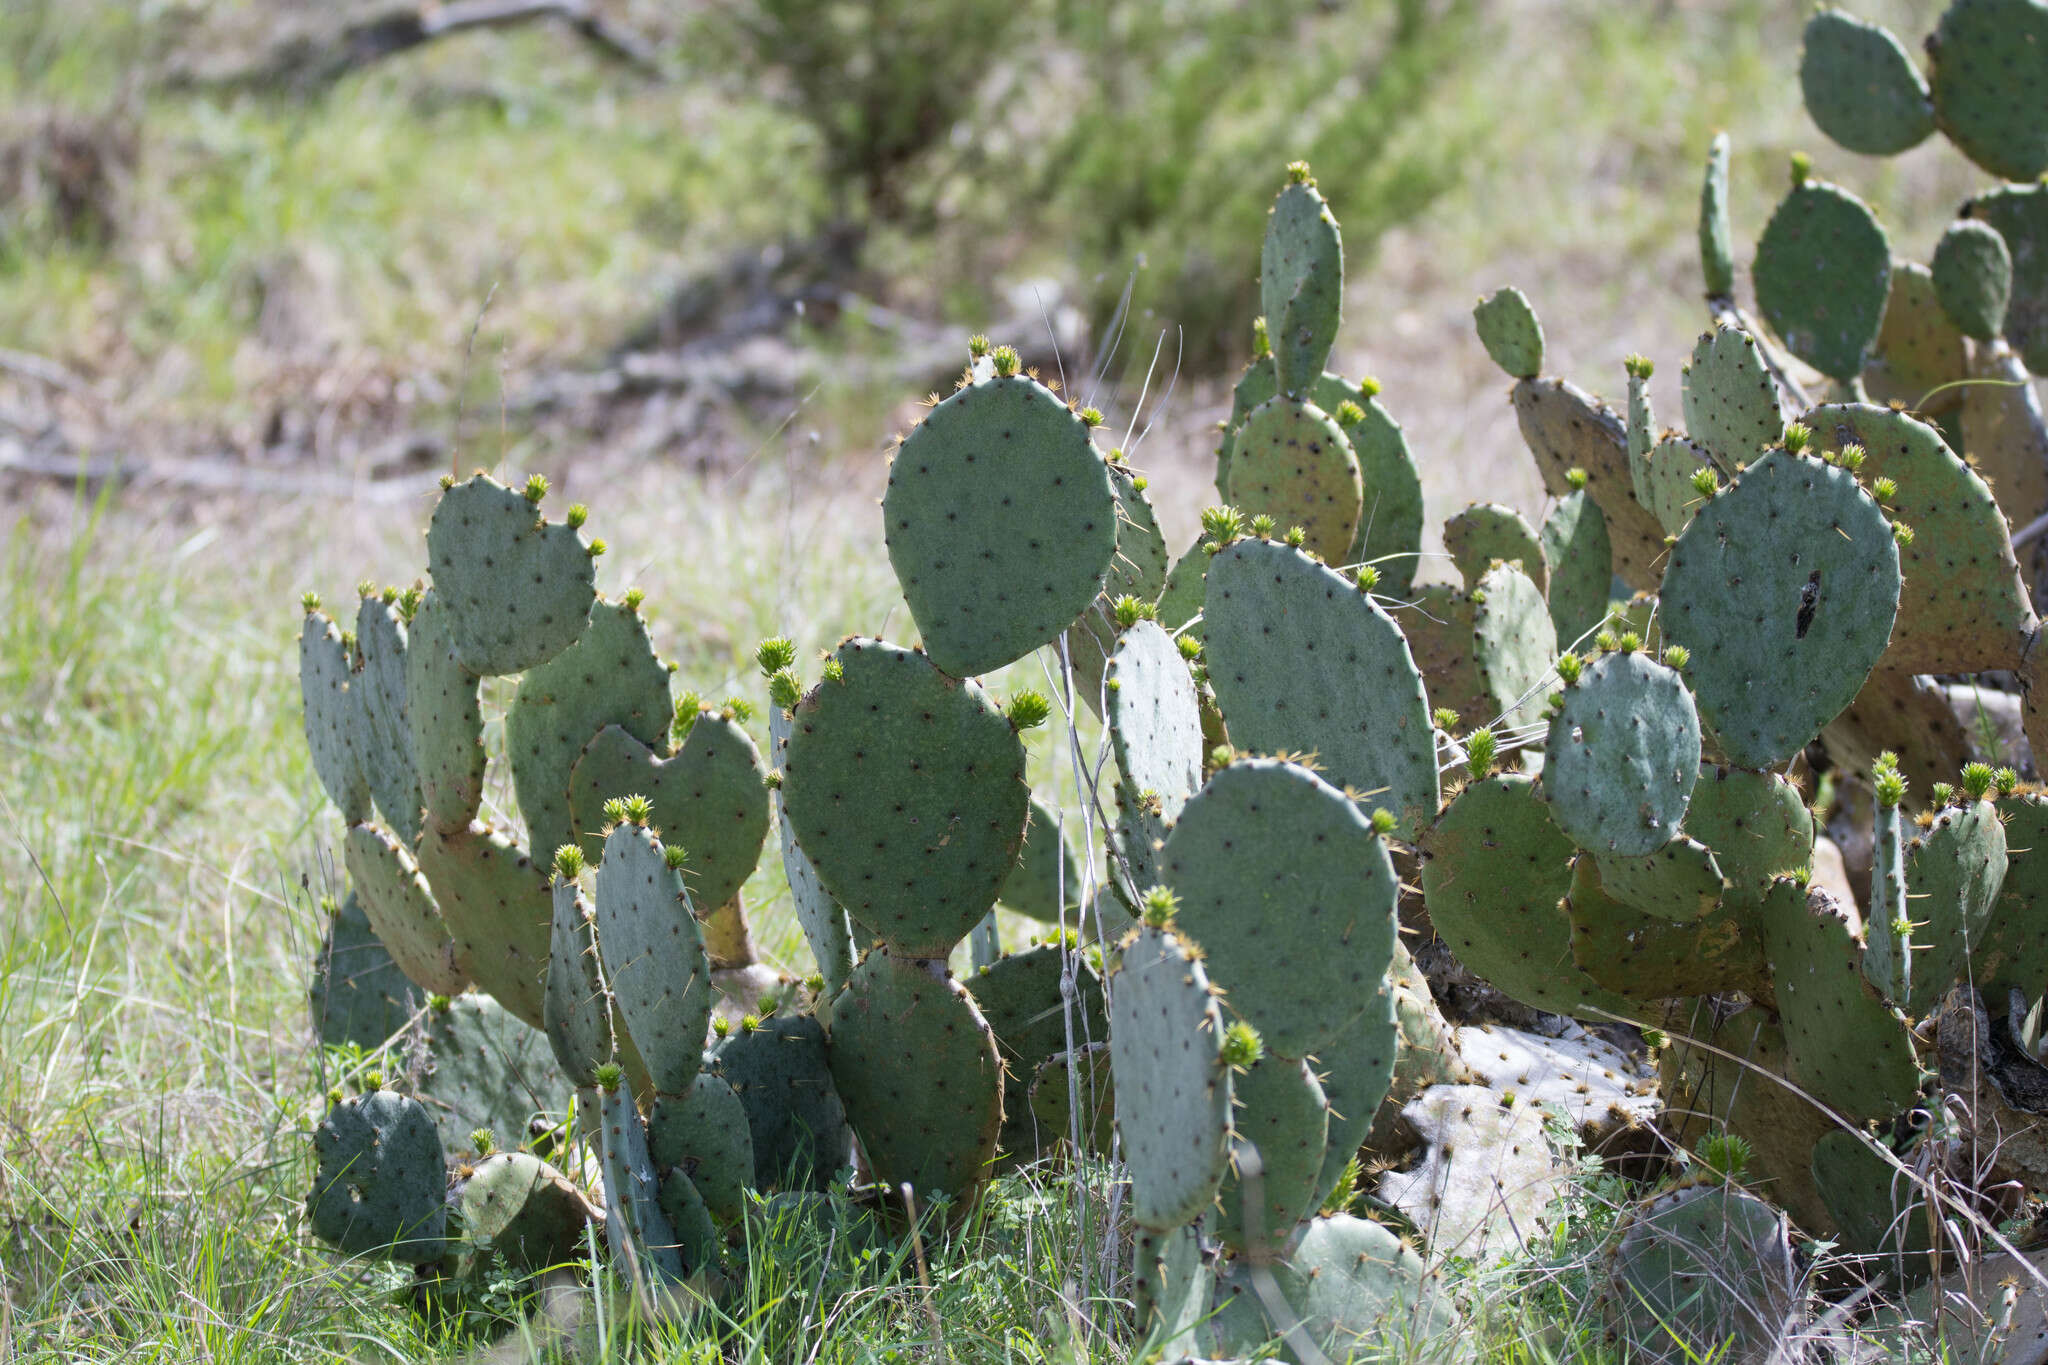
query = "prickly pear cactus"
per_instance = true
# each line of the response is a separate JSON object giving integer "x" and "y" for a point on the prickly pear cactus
{"x": 1731, "y": 402}
{"x": 1173, "y": 1099}
{"x": 1293, "y": 462}
{"x": 379, "y": 1183}
{"x": 1510, "y": 332}
{"x": 332, "y": 733}
{"x": 1990, "y": 60}
{"x": 778, "y": 1069}
{"x": 1822, "y": 274}
{"x": 1283, "y": 1116}
{"x": 1862, "y": 87}
{"x": 401, "y": 909}
{"x": 445, "y": 719}
{"x": 517, "y": 588}
{"x": 1623, "y": 753}
{"x": 1706, "y": 1268}
{"x": 1486, "y": 533}
{"x": 1301, "y": 282}
{"x": 1972, "y": 271}
{"x": 498, "y": 910}
{"x": 379, "y": 690}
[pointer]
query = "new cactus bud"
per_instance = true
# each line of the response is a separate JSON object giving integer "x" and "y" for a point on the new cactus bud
{"x": 1638, "y": 366}
{"x": 1221, "y": 756}
{"x": 1296, "y": 537}
{"x": 310, "y": 600}
{"x": 834, "y": 671}
{"x": 1884, "y": 489}
{"x": 1028, "y": 710}
{"x": 439, "y": 1004}
{"x": 737, "y": 708}
{"x": 674, "y": 856}
{"x": 1091, "y": 417}
{"x": 569, "y": 862}
{"x": 1263, "y": 526}
{"x": 1704, "y": 482}
{"x": 1242, "y": 1046}
{"x": 1851, "y": 457}
{"x": 577, "y": 515}
{"x": 1888, "y": 782}
{"x": 1444, "y": 718}
{"x": 1576, "y": 479}
{"x": 1797, "y": 437}
{"x": 1480, "y": 749}
{"x": 1006, "y": 362}
{"x": 1190, "y": 648}
{"x": 2006, "y": 780}
{"x": 614, "y": 811}
{"x": 1629, "y": 642}
{"x": 1369, "y": 386}
{"x": 536, "y": 488}
{"x": 783, "y": 689}
{"x": 977, "y": 347}
{"x": 598, "y": 547}
{"x": 637, "y": 810}
{"x": 608, "y": 1075}
{"x": 1131, "y": 610}
{"x": 1298, "y": 174}
{"x": 1802, "y": 168}
{"x": 1902, "y": 533}
{"x": 1676, "y": 656}
{"x": 483, "y": 1141}
{"x": 1368, "y": 577}
{"x": 1262, "y": 341}
{"x": 373, "y": 1080}
{"x": 1384, "y": 822}
{"x": 1218, "y": 523}
{"x": 633, "y": 598}
{"x": 721, "y": 1026}
{"x": 1977, "y": 779}
{"x": 1348, "y": 414}
{"x": 1727, "y": 1155}
{"x": 366, "y": 589}
{"x": 1607, "y": 642}
{"x": 1160, "y": 906}
{"x": 1569, "y": 666}
{"x": 1942, "y": 793}
{"x": 749, "y": 1022}
{"x": 775, "y": 654}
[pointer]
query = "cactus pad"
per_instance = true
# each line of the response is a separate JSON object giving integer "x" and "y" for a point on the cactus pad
{"x": 1390, "y": 525}
{"x": 1045, "y": 885}
{"x": 820, "y": 917}
{"x": 917, "y": 1069}
{"x": 2013, "y": 951}
{"x": 1953, "y": 875}
{"x": 522, "y": 1212}
{"x": 1355, "y": 1071}
{"x": 486, "y": 1069}
{"x": 703, "y": 1132}
{"x": 1486, "y": 532}
{"x": 1513, "y": 645}
{"x": 1281, "y": 1112}
{"x": 1510, "y": 332}
{"x": 1567, "y": 428}
{"x": 357, "y": 995}
{"x": 1918, "y": 348}
{"x": 1700, "y": 1271}
{"x": 780, "y": 1073}
{"x": 1679, "y": 882}
{"x": 446, "y": 720}
{"x": 1717, "y": 250}
{"x": 1294, "y": 463}
{"x": 1963, "y": 606}
{"x": 1170, "y": 1283}
{"x": 1861, "y": 87}
{"x": 1286, "y": 887}
{"x": 1581, "y": 561}
{"x": 1878, "y": 1209}
{"x": 385, "y": 731}
{"x": 1972, "y": 272}
{"x": 2020, "y": 213}
{"x": 1649, "y": 957}
{"x": 654, "y": 956}
{"x": 576, "y": 1010}
{"x": 1139, "y": 570}
{"x": 709, "y": 796}
{"x": 906, "y": 789}
{"x": 1495, "y": 867}
{"x": 1847, "y": 1048}
{"x": 1000, "y": 521}
{"x": 1064, "y": 1079}
{"x": 1990, "y": 66}
{"x": 378, "y": 1184}
{"x": 1664, "y": 481}
{"x": 1301, "y": 285}
{"x": 2008, "y": 438}
{"x": 610, "y": 676}
{"x": 401, "y": 909}
{"x": 1783, "y": 589}
{"x": 498, "y": 909}
{"x": 1822, "y": 273}
{"x": 1756, "y": 823}
{"x": 517, "y": 589}
{"x": 1173, "y": 1102}
{"x": 1731, "y": 401}
{"x": 638, "y": 1224}
{"x": 1623, "y": 753}
{"x": 1155, "y": 725}
{"x": 1020, "y": 998}
{"x": 1288, "y": 643}
{"x": 1350, "y": 1284}
{"x": 333, "y": 736}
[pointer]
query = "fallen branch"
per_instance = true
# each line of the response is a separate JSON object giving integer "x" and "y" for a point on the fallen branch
{"x": 224, "y": 476}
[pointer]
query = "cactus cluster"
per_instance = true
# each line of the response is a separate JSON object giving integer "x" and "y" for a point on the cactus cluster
{"x": 1602, "y": 797}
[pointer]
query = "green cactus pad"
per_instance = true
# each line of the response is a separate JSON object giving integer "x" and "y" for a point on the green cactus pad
{"x": 498, "y": 909}
{"x": 1847, "y": 1048}
{"x": 1281, "y": 1112}
{"x": 522, "y": 1213}
{"x": 1000, "y": 521}
{"x": 401, "y": 909}
{"x": 1731, "y": 401}
{"x": 1495, "y": 867}
{"x": 1350, "y": 1284}
{"x": 1056, "y": 1088}
{"x": 1286, "y": 887}
{"x": 638, "y": 1224}
{"x": 1019, "y": 995}
{"x": 486, "y": 1069}
{"x": 704, "y": 1133}
{"x": 1700, "y": 1271}
{"x": 1954, "y": 872}
{"x": 2012, "y": 951}
{"x": 1665, "y": 484}
{"x": 1437, "y": 625}
{"x": 1972, "y": 272}
{"x": 1513, "y": 645}
{"x": 1295, "y": 464}
{"x": 1186, "y": 585}
{"x": 654, "y": 956}
{"x": 1355, "y": 1070}
{"x": 1888, "y": 959}
{"x": 1861, "y": 87}
{"x": 1963, "y": 606}
{"x": 1680, "y": 882}
{"x": 1647, "y": 958}
{"x": 1155, "y": 725}
{"x": 1288, "y": 642}
{"x": 610, "y": 676}
{"x": 378, "y": 688}
{"x": 1173, "y": 1099}
{"x": 1717, "y": 248}
{"x": 2008, "y": 437}
{"x": 333, "y": 736}
{"x": 1822, "y": 274}
{"x": 378, "y": 1184}
{"x": 918, "y": 1072}
{"x": 1783, "y": 589}
{"x": 1045, "y": 885}
{"x": 710, "y": 797}
{"x": 1171, "y": 1282}
{"x": 1918, "y": 348}
{"x": 1567, "y": 428}
{"x": 1301, "y": 286}
{"x": 1139, "y": 570}
{"x": 2020, "y": 213}
{"x": 446, "y": 720}
{"x": 780, "y": 1073}
{"x": 1623, "y": 753}
{"x": 1486, "y": 532}
{"x": 823, "y": 922}
{"x": 1257, "y": 384}
{"x": 1990, "y": 66}
{"x": 1878, "y": 1209}
{"x": 357, "y": 995}
{"x": 1390, "y": 526}
{"x": 1581, "y": 561}
{"x": 906, "y": 789}
{"x": 1509, "y": 331}
{"x": 577, "y": 1012}
{"x": 517, "y": 589}
{"x": 1756, "y": 823}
